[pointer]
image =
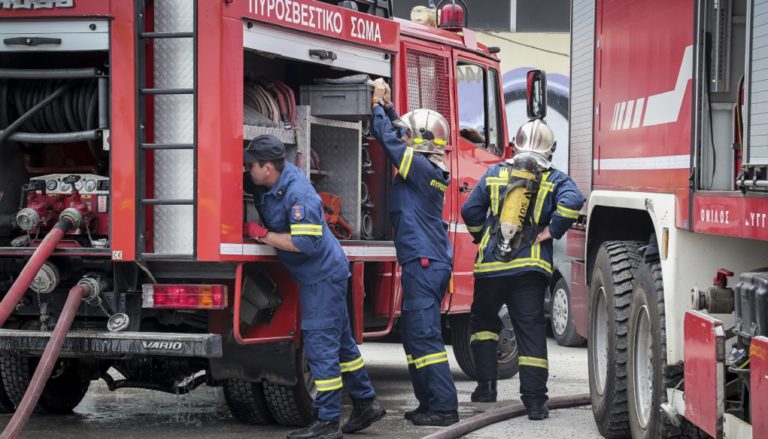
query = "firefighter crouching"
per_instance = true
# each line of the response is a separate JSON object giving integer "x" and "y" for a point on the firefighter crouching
{"x": 415, "y": 144}
{"x": 513, "y": 213}
{"x": 294, "y": 225}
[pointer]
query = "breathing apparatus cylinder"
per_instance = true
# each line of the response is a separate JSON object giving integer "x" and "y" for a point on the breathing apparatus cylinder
{"x": 514, "y": 229}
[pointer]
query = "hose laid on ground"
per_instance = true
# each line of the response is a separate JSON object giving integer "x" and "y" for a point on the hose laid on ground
{"x": 47, "y": 361}
{"x": 27, "y": 275}
{"x": 503, "y": 413}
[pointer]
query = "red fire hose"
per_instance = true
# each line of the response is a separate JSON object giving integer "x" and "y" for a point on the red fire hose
{"x": 47, "y": 361}
{"x": 30, "y": 270}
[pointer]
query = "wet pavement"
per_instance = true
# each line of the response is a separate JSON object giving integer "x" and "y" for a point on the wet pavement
{"x": 131, "y": 413}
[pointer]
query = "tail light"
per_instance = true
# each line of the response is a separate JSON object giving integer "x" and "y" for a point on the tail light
{"x": 184, "y": 296}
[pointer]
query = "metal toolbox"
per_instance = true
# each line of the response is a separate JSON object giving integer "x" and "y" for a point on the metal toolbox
{"x": 345, "y": 102}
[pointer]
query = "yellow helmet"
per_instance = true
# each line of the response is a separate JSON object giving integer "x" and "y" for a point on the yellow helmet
{"x": 427, "y": 129}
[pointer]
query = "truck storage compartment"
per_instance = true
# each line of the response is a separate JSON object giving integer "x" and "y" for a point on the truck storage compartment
{"x": 282, "y": 98}
{"x": 54, "y": 119}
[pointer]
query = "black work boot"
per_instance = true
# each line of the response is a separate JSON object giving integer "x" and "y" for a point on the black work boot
{"x": 438, "y": 419}
{"x": 409, "y": 414}
{"x": 485, "y": 391}
{"x": 538, "y": 412}
{"x": 318, "y": 430}
{"x": 364, "y": 413}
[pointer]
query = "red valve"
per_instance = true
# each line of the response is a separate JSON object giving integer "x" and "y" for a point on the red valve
{"x": 721, "y": 278}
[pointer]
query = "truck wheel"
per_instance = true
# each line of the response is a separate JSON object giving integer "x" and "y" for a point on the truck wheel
{"x": 6, "y": 405}
{"x": 246, "y": 402}
{"x": 460, "y": 335}
{"x": 64, "y": 390}
{"x": 561, "y": 318}
{"x": 649, "y": 376}
{"x": 292, "y": 405}
{"x": 610, "y": 297}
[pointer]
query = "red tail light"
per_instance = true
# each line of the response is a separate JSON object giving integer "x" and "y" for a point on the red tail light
{"x": 184, "y": 296}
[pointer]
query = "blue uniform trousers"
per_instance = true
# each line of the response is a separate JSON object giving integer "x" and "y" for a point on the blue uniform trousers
{"x": 331, "y": 351}
{"x": 423, "y": 292}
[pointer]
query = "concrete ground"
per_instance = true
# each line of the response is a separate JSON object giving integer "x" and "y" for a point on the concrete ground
{"x": 133, "y": 413}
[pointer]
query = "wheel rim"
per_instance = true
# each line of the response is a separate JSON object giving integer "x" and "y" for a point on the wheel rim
{"x": 600, "y": 340}
{"x": 559, "y": 311}
{"x": 643, "y": 367}
{"x": 507, "y": 347}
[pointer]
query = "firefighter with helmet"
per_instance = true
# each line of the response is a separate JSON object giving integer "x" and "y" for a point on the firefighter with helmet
{"x": 415, "y": 144}
{"x": 295, "y": 227}
{"x": 514, "y": 212}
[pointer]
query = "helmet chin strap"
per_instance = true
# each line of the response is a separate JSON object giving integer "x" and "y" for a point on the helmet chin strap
{"x": 437, "y": 159}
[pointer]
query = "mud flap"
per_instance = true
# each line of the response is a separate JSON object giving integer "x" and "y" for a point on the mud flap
{"x": 704, "y": 372}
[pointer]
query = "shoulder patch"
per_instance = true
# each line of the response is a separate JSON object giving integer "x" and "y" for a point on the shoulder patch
{"x": 297, "y": 212}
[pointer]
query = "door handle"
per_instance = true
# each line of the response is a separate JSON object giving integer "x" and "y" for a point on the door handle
{"x": 465, "y": 188}
{"x": 322, "y": 54}
{"x": 31, "y": 41}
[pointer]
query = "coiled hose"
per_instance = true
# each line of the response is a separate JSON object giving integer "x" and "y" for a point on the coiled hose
{"x": 75, "y": 110}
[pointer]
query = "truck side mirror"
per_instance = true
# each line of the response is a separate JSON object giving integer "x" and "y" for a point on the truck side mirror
{"x": 536, "y": 94}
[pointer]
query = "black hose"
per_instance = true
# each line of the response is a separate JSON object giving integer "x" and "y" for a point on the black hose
{"x": 32, "y": 111}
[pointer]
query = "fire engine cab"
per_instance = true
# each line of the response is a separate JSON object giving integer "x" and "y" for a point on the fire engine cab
{"x": 122, "y": 127}
{"x": 669, "y": 140}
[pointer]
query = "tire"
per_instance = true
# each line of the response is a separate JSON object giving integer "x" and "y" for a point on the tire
{"x": 6, "y": 405}
{"x": 63, "y": 391}
{"x": 292, "y": 405}
{"x": 246, "y": 402}
{"x": 508, "y": 355}
{"x": 561, "y": 317}
{"x": 610, "y": 297}
{"x": 649, "y": 376}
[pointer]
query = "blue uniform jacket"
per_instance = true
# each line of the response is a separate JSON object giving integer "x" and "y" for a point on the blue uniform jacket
{"x": 292, "y": 206}
{"x": 557, "y": 205}
{"x": 417, "y": 197}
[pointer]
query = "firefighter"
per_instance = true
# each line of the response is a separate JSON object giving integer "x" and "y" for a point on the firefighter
{"x": 518, "y": 274}
{"x": 294, "y": 225}
{"x": 415, "y": 144}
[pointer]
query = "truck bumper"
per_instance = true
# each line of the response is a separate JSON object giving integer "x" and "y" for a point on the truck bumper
{"x": 99, "y": 344}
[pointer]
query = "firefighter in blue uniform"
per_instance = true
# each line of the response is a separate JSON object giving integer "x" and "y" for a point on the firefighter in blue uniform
{"x": 415, "y": 144}
{"x": 294, "y": 224}
{"x": 521, "y": 280}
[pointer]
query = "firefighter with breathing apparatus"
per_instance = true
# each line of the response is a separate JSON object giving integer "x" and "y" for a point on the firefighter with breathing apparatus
{"x": 295, "y": 227}
{"x": 514, "y": 212}
{"x": 415, "y": 144}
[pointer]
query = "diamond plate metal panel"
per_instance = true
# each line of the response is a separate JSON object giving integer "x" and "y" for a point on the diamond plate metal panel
{"x": 174, "y": 122}
{"x": 174, "y": 229}
{"x": 340, "y": 156}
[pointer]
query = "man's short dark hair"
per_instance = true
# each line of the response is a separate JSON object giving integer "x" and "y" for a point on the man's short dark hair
{"x": 278, "y": 164}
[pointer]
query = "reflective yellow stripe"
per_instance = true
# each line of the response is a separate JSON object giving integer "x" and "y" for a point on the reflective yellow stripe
{"x": 329, "y": 385}
{"x": 492, "y": 181}
{"x": 409, "y": 357}
{"x": 495, "y": 199}
{"x": 534, "y": 362}
{"x": 536, "y": 251}
{"x": 475, "y": 229}
{"x": 352, "y": 366}
{"x": 490, "y": 267}
{"x": 484, "y": 336}
{"x": 544, "y": 189}
{"x": 566, "y": 212}
{"x": 483, "y": 243}
{"x": 405, "y": 163}
{"x": 307, "y": 229}
{"x": 427, "y": 360}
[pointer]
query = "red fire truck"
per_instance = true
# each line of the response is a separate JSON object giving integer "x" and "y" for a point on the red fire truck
{"x": 668, "y": 139}
{"x": 123, "y": 126}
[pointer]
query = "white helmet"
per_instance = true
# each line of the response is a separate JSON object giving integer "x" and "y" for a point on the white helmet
{"x": 427, "y": 129}
{"x": 535, "y": 136}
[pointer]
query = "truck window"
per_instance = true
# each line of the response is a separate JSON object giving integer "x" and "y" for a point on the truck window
{"x": 478, "y": 107}
{"x": 495, "y": 143}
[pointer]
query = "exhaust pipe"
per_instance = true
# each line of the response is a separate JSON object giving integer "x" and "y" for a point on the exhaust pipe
{"x": 86, "y": 289}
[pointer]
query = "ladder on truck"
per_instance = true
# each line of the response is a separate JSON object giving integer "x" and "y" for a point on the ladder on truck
{"x": 167, "y": 152}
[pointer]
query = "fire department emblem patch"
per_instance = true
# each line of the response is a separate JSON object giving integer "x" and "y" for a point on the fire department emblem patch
{"x": 297, "y": 212}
